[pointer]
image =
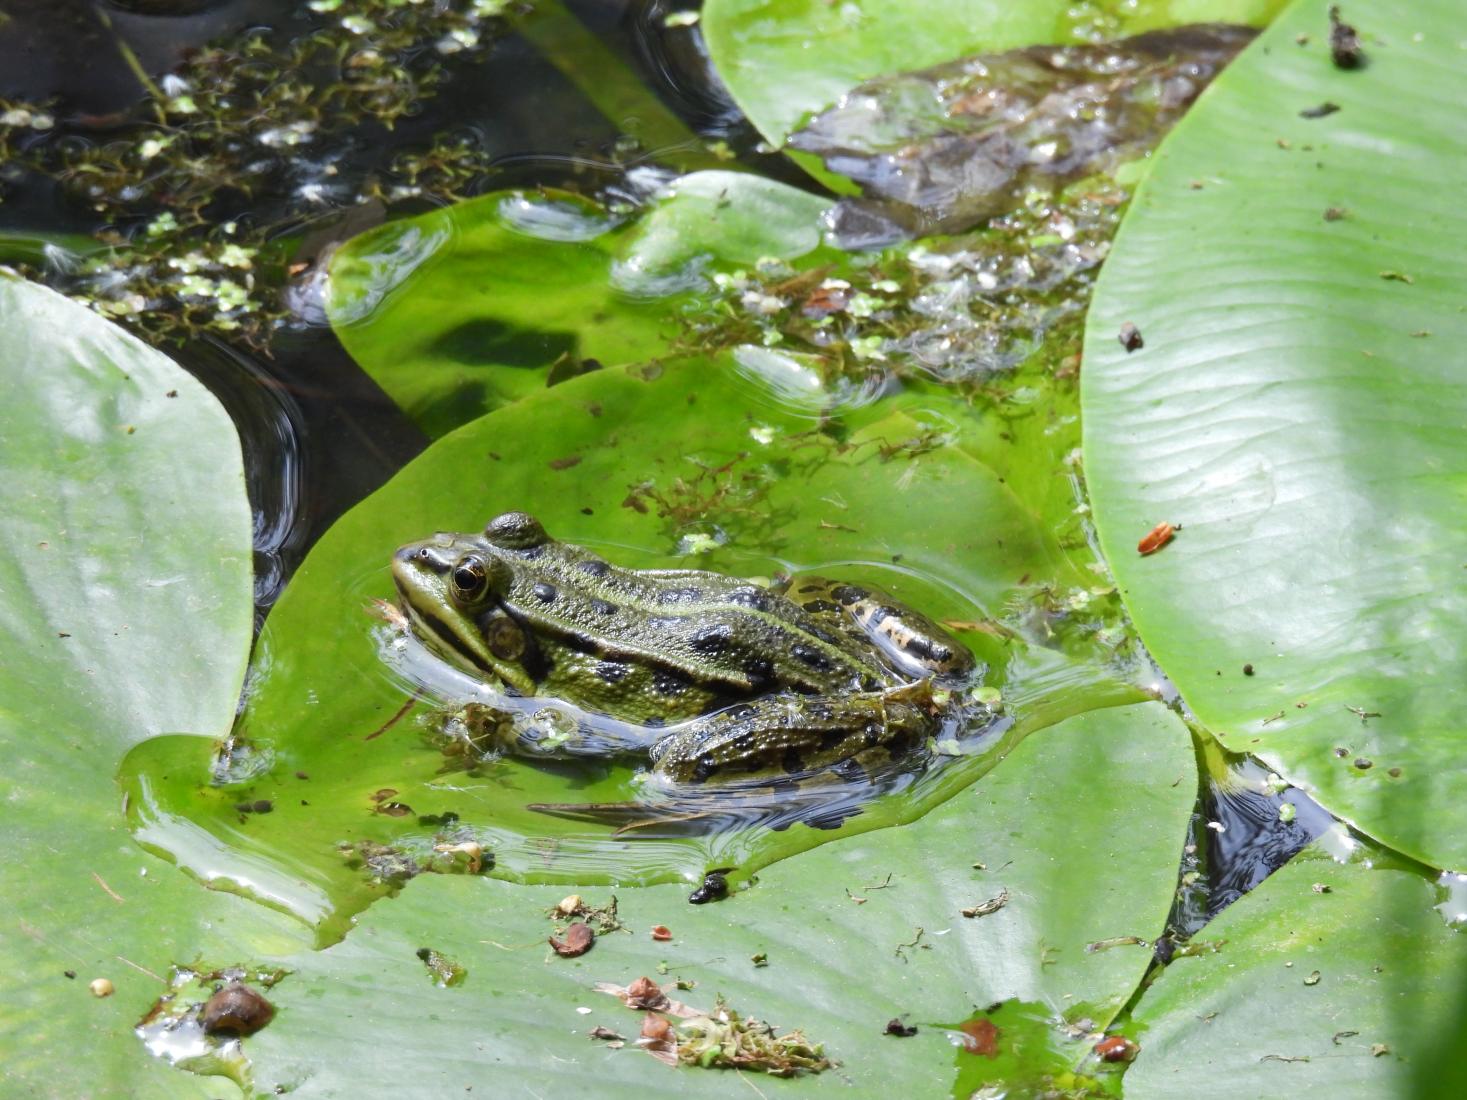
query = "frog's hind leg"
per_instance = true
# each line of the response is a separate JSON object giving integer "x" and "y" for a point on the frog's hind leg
{"x": 792, "y": 735}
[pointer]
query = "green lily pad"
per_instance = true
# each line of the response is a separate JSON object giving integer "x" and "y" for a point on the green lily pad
{"x": 125, "y": 569}
{"x": 1357, "y": 979}
{"x": 333, "y": 793}
{"x": 783, "y": 60}
{"x": 1296, "y": 410}
{"x": 471, "y": 307}
{"x": 847, "y": 937}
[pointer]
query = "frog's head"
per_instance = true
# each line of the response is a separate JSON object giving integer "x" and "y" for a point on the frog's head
{"x": 453, "y": 587}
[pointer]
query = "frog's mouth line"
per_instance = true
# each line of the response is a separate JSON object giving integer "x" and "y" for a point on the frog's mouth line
{"x": 440, "y": 637}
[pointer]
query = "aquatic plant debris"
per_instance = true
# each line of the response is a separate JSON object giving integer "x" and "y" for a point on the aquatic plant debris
{"x": 190, "y": 244}
{"x": 964, "y": 311}
{"x": 717, "y": 1039}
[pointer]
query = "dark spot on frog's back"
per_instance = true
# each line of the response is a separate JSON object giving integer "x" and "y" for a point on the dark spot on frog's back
{"x": 681, "y": 595}
{"x": 712, "y": 639}
{"x": 751, "y": 597}
{"x": 820, "y": 607}
{"x": 668, "y": 683}
{"x": 612, "y": 672}
{"x": 760, "y": 671}
{"x": 602, "y": 607}
{"x": 847, "y": 594}
{"x": 593, "y": 567}
{"x": 545, "y": 593}
{"x": 810, "y": 657}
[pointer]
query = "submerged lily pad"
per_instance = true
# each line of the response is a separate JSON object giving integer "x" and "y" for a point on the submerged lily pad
{"x": 784, "y": 60}
{"x": 861, "y": 931}
{"x": 1291, "y": 400}
{"x": 333, "y": 792}
{"x": 125, "y": 574}
{"x": 471, "y": 307}
{"x": 942, "y": 149}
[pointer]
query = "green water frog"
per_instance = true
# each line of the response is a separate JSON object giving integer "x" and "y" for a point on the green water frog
{"x": 789, "y": 677}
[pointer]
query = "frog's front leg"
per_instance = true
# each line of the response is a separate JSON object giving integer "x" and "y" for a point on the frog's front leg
{"x": 554, "y": 731}
{"x": 793, "y": 734}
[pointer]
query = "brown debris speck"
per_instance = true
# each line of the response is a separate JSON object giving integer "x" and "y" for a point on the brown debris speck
{"x": 1344, "y": 42}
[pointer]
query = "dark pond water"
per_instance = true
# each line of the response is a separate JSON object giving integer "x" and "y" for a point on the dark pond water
{"x": 318, "y": 434}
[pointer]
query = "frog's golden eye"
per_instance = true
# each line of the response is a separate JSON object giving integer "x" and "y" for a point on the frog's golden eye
{"x": 468, "y": 578}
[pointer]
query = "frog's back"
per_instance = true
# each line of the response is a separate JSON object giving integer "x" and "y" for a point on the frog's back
{"x": 692, "y": 640}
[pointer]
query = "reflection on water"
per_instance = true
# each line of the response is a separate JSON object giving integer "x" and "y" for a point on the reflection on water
{"x": 1248, "y": 824}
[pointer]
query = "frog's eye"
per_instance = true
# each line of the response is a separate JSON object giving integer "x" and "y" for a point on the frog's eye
{"x": 468, "y": 578}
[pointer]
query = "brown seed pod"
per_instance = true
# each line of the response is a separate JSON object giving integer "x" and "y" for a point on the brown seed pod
{"x": 237, "y": 1008}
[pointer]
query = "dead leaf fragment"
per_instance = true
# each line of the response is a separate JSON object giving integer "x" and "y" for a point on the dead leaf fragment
{"x": 645, "y": 994}
{"x": 661, "y": 933}
{"x": 657, "y": 1039}
{"x": 656, "y": 1028}
{"x": 577, "y": 940}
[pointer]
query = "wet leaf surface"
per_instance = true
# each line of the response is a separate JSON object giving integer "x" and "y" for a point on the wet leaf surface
{"x": 1282, "y": 411}
{"x": 1393, "y": 976}
{"x": 1118, "y": 770}
{"x": 126, "y": 582}
{"x": 474, "y": 306}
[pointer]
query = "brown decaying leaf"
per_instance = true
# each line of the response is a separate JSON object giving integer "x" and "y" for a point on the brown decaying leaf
{"x": 577, "y": 940}
{"x": 657, "y": 1039}
{"x": 645, "y": 994}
